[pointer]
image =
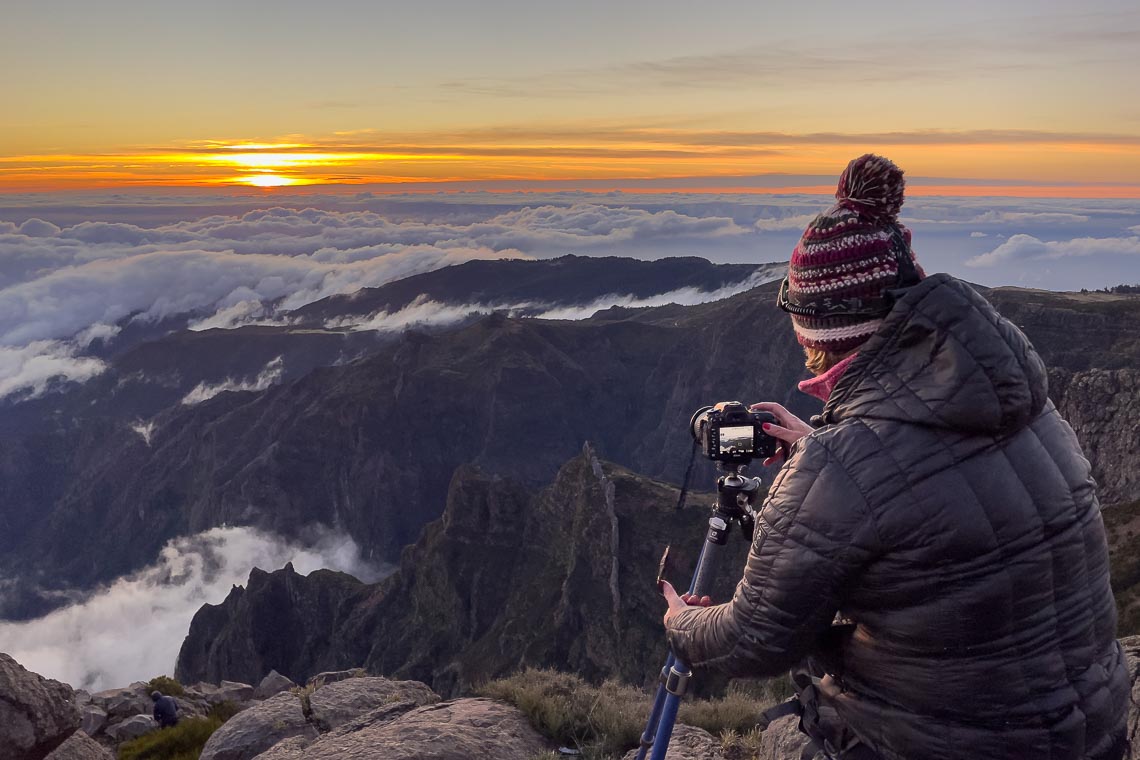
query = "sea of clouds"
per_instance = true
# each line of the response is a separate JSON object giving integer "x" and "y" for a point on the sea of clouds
{"x": 65, "y": 285}
{"x": 132, "y": 630}
{"x": 60, "y": 287}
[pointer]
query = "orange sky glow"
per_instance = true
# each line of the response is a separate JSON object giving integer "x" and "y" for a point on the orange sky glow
{"x": 953, "y": 164}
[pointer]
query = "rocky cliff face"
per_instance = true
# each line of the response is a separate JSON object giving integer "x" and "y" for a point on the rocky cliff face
{"x": 1091, "y": 344}
{"x": 279, "y": 621}
{"x": 1103, "y": 406}
{"x": 506, "y": 578}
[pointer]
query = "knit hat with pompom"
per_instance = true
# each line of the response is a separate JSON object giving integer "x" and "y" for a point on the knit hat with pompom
{"x": 849, "y": 258}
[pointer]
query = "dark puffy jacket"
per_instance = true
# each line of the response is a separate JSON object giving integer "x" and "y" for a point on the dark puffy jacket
{"x": 944, "y": 507}
{"x": 166, "y": 711}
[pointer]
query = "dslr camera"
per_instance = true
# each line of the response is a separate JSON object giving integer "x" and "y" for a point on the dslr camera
{"x": 730, "y": 433}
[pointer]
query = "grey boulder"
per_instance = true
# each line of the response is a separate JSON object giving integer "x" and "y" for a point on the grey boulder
{"x": 36, "y": 714}
{"x": 131, "y": 728}
{"x": 122, "y": 703}
{"x": 80, "y": 746}
{"x": 458, "y": 730}
{"x": 274, "y": 683}
{"x": 232, "y": 691}
{"x": 92, "y": 719}
{"x": 783, "y": 738}
{"x": 337, "y": 703}
{"x": 332, "y": 676}
{"x": 253, "y": 731}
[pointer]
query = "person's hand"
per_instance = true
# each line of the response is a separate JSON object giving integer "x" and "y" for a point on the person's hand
{"x": 678, "y": 602}
{"x": 787, "y": 431}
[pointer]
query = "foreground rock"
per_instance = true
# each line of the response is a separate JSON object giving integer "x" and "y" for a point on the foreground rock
{"x": 459, "y": 730}
{"x": 689, "y": 743}
{"x": 342, "y": 701}
{"x": 36, "y": 714}
{"x": 80, "y": 746}
{"x": 255, "y": 730}
{"x": 783, "y": 739}
{"x": 286, "y": 749}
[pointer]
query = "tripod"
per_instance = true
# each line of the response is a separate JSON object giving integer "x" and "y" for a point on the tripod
{"x": 735, "y": 495}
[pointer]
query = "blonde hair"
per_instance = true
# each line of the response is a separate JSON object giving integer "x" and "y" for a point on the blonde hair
{"x": 819, "y": 361}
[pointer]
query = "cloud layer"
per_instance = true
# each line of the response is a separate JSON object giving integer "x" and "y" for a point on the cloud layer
{"x": 133, "y": 629}
{"x": 63, "y": 286}
{"x": 1029, "y": 248}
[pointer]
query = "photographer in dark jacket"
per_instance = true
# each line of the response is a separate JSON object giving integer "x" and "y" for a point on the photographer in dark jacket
{"x": 943, "y": 509}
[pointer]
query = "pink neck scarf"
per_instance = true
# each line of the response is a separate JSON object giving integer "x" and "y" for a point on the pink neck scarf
{"x": 821, "y": 386}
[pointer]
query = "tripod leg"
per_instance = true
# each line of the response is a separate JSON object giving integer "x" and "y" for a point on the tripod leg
{"x": 648, "y": 736}
{"x": 675, "y": 685}
{"x": 675, "y": 674}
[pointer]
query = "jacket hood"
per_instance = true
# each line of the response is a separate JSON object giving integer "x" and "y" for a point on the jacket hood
{"x": 944, "y": 358}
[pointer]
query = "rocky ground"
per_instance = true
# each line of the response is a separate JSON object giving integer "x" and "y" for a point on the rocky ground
{"x": 346, "y": 715}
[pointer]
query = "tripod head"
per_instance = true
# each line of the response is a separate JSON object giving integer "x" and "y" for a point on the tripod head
{"x": 735, "y": 496}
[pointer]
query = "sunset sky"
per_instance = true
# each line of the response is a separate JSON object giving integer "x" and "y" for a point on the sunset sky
{"x": 1016, "y": 98}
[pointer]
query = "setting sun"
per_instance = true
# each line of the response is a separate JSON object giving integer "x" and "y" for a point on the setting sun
{"x": 268, "y": 180}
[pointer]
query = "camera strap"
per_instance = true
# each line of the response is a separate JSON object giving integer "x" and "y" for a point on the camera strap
{"x": 688, "y": 475}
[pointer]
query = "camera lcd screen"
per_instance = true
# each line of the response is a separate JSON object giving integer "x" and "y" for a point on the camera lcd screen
{"x": 736, "y": 440}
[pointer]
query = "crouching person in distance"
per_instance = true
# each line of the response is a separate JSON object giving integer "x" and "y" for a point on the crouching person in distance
{"x": 165, "y": 710}
{"x": 942, "y": 510}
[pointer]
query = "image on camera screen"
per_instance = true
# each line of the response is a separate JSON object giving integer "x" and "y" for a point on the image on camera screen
{"x": 736, "y": 440}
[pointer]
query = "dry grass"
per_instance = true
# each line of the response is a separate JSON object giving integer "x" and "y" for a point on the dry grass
{"x": 607, "y": 720}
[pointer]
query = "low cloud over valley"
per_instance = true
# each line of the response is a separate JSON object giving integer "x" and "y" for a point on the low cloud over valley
{"x": 132, "y": 629}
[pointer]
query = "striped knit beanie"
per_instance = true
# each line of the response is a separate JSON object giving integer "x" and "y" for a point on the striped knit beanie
{"x": 849, "y": 257}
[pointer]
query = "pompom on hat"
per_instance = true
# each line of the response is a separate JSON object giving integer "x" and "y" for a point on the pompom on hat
{"x": 849, "y": 258}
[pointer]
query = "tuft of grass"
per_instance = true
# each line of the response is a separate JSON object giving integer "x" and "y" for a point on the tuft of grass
{"x": 166, "y": 685}
{"x": 182, "y": 742}
{"x": 744, "y": 746}
{"x": 604, "y": 721}
{"x": 304, "y": 692}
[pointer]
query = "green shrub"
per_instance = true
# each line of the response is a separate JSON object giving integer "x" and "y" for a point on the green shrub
{"x": 182, "y": 742}
{"x": 166, "y": 685}
{"x": 605, "y": 721}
